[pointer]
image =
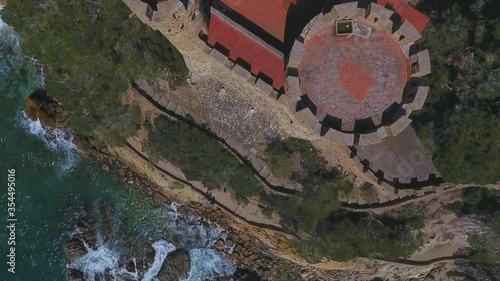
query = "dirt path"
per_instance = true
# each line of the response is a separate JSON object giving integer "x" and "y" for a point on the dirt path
{"x": 445, "y": 194}
{"x": 282, "y": 249}
{"x": 276, "y": 239}
{"x": 269, "y": 234}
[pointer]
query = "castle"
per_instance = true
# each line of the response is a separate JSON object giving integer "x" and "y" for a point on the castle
{"x": 351, "y": 71}
{"x": 356, "y": 88}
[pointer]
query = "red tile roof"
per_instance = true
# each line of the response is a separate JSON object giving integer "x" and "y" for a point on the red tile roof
{"x": 270, "y": 15}
{"x": 241, "y": 44}
{"x": 408, "y": 13}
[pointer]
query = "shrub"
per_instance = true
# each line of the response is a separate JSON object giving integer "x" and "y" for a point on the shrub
{"x": 369, "y": 194}
{"x": 280, "y": 153}
{"x": 316, "y": 212}
{"x": 345, "y": 236}
{"x": 486, "y": 248}
{"x": 412, "y": 216}
{"x": 178, "y": 185}
{"x": 476, "y": 201}
{"x": 200, "y": 157}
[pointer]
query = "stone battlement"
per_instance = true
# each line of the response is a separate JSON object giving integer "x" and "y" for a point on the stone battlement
{"x": 357, "y": 87}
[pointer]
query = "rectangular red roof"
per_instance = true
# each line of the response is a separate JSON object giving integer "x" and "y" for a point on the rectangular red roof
{"x": 408, "y": 13}
{"x": 269, "y": 15}
{"x": 244, "y": 45}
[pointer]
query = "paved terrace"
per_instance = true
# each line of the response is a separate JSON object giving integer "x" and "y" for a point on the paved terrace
{"x": 353, "y": 78}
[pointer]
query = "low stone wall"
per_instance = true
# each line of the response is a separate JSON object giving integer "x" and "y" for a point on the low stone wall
{"x": 400, "y": 162}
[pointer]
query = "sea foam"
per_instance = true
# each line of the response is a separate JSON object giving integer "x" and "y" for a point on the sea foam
{"x": 96, "y": 263}
{"x": 61, "y": 143}
{"x": 207, "y": 264}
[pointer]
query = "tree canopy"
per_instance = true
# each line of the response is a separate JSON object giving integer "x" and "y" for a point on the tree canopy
{"x": 90, "y": 50}
{"x": 460, "y": 122}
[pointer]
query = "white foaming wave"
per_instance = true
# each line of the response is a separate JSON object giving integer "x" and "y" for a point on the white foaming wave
{"x": 206, "y": 264}
{"x": 95, "y": 263}
{"x": 9, "y": 37}
{"x": 60, "y": 143}
{"x": 200, "y": 236}
{"x": 192, "y": 232}
{"x": 1, "y": 21}
{"x": 162, "y": 249}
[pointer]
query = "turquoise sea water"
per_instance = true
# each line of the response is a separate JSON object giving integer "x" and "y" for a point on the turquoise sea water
{"x": 53, "y": 183}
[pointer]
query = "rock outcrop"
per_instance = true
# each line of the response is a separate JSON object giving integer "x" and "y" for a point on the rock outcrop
{"x": 40, "y": 106}
{"x": 176, "y": 266}
{"x": 74, "y": 249}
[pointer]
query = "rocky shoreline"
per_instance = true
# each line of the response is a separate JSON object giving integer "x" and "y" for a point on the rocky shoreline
{"x": 253, "y": 258}
{"x": 256, "y": 253}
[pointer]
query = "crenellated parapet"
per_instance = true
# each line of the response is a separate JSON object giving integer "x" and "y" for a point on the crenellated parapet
{"x": 357, "y": 85}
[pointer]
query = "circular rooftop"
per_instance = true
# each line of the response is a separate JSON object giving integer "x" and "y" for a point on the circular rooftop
{"x": 351, "y": 77}
{"x": 354, "y": 73}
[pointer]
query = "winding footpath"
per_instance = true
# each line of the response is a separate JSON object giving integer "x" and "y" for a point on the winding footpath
{"x": 375, "y": 208}
{"x": 398, "y": 203}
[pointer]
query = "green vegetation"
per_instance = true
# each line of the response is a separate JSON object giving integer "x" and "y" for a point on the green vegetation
{"x": 178, "y": 185}
{"x": 486, "y": 247}
{"x": 414, "y": 216}
{"x": 345, "y": 236}
{"x": 460, "y": 123}
{"x": 316, "y": 212}
{"x": 280, "y": 165}
{"x": 322, "y": 186}
{"x": 200, "y": 157}
{"x": 280, "y": 157}
{"x": 483, "y": 205}
{"x": 476, "y": 201}
{"x": 369, "y": 194}
{"x": 90, "y": 51}
{"x": 304, "y": 211}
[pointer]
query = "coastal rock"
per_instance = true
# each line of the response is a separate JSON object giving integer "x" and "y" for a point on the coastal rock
{"x": 148, "y": 258}
{"x": 105, "y": 167}
{"x": 107, "y": 223}
{"x": 176, "y": 266}
{"x": 246, "y": 275}
{"x": 74, "y": 249}
{"x": 40, "y": 106}
{"x": 130, "y": 266}
{"x": 31, "y": 108}
{"x": 75, "y": 275}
